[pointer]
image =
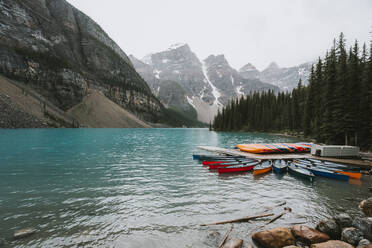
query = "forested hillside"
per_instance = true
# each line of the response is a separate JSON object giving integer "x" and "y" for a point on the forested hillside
{"x": 335, "y": 108}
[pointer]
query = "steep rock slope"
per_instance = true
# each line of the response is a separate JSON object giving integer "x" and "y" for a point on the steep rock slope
{"x": 57, "y": 50}
{"x": 97, "y": 111}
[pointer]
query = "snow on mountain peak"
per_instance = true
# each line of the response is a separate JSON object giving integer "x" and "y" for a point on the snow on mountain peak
{"x": 147, "y": 59}
{"x": 247, "y": 68}
{"x": 176, "y": 46}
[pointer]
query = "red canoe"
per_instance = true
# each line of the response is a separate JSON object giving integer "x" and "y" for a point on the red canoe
{"x": 216, "y": 166}
{"x": 236, "y": 169}
{"x": 227, "y": 161}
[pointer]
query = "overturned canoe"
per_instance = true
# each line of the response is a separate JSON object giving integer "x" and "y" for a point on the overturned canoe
{"x": 274, "y": 148}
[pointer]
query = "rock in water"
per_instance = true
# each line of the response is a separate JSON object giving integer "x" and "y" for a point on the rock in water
{"x": 351, "y": 235}
{"x": 24, "y": 233}
{"x": 2, "y": 242}
{"x": 364, "y": 243}
{"x": 343, "y": 220}
{"x": 274, "y": 238}
{"x": 234, "y": 243}
{"x": 366, "y": 207}
{"x": 329, "y": 227}
{"x": 364, "y": 225}
{"x": 309, "y": 235}
{"x": 332, "y": 244}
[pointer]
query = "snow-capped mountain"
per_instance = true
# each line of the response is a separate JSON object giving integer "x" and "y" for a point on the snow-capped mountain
{"x": 249, "y": 71}
{"x": 286, "y": 78}
{"x": 207, "y": 85}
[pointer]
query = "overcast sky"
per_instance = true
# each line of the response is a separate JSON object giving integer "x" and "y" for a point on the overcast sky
{"x": 288, "y": 32}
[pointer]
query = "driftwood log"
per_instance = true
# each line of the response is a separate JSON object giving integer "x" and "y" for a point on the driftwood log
{"x": 225, "y": 237}
{"x": 244, "y": 219}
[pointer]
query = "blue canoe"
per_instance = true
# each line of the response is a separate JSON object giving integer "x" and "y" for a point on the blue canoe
{"x": 280, "y": 166}
{"x": 324, "y": 172}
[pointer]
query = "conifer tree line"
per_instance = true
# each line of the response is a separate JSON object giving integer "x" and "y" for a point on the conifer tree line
{"x": 334, "y": 108}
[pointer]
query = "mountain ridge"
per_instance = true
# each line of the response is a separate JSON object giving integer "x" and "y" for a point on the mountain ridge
{"x": 211, "y": 83}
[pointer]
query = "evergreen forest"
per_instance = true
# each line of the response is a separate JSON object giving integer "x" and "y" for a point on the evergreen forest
{"x": 334, "y": 108}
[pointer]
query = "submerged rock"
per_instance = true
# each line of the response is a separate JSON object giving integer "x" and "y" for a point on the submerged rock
{"x": 234, "y": 243}
{"x": 24, "y": 233}
{"x": 364, "y": 243}
{"x": 366, "y": 207}
{"x": 330, "y": 227}
{"x": 3, "y": 242}
{"x": 332, "y": 244}
{"x": 274, "y": 238}
{"x": 364, "y": 225}
{"x": 343, "y": 220}
{"x": 351, "y": 235}
{"x": 309, "y": 235}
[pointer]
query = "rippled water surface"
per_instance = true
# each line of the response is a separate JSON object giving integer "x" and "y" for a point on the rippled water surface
{"x": 141, "y": 188}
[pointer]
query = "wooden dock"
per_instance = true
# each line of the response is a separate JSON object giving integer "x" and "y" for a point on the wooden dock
{"x": 356, "y": 162}
{"x": 236, "y": 152}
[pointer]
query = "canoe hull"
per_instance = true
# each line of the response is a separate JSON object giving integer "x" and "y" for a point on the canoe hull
{"x": 235, "y": 169}
{"x": 279, "y": 170}
{"x": 325, "y": 173}
{"x": 300, "y": 173}
{"x": 262, "y": 170}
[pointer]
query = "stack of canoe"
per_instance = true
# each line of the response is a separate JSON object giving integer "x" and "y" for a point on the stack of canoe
{"x": 304, "y": 168}
{"x": 275, "y": 148}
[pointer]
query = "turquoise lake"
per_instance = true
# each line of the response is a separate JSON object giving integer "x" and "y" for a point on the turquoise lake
{"x": 141, "y": 188}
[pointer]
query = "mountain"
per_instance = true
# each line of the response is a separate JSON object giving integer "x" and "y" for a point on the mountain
{"x": 286, "y": 78}
{"x": 207, "y": 85}
{"x": 249, "y": 71}
{"x": 60, "y": 56}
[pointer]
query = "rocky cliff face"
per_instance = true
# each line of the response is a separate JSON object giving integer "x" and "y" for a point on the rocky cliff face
{"x": 60, "y": 52}
{"x": 207, "y": 85}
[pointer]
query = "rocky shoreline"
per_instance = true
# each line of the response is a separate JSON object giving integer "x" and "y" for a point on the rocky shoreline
{"x": 341, "y": 231}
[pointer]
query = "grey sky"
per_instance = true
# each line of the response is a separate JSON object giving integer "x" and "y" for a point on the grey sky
{"x": 286, "y": 31}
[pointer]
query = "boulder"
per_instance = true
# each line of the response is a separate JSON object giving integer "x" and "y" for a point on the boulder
{"x": 343, "y": 220}
{"x": 329, "y": 227}
{"x": 364, "y": 225}
{"x": 274, "y": 238}
{"x": 291, "y": 246}
{"x": 309, "y": 235}
{"x": 366, "y": 207}
{"x": 24, "y": 233}
{"x": 351, "y": 235}
{"x": 234, "y": 243}
{"x": 332, "y": 244}
{"x": 364, "y": 243}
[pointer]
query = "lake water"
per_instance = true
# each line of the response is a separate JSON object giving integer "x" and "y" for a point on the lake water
{"x": 141, "y": 188}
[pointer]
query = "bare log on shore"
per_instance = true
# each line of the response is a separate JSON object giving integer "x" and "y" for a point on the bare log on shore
{"x": 244, "y": 219}
{"x": 286, "y": 210}
{"x": 225, "y": 237}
